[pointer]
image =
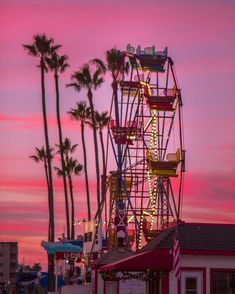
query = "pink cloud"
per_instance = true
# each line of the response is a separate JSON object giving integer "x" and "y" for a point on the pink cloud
{"x": 36, "y": 121}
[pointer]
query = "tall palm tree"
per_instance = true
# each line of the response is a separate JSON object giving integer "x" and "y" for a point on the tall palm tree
{"x": 67, "y": 149}
{"x": 102, "y": 121}
{"x": 72, "y": 167}
{"x": 58, "y": 64}
{"x": 41, "y": 156}
{"x": 81, "y": 113}
{"x": 115, "y": 64}
{"x": 88, "y": 80}
{"x": 41, "y": 48}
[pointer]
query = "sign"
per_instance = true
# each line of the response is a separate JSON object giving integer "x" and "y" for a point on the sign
{"x": 92, "y": 234}
{"x": 68, "y": 255}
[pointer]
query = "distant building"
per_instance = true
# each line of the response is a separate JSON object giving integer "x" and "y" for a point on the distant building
{"x": 8, "y": 264}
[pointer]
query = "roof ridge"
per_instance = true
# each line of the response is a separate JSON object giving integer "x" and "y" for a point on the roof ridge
{"x": 206, "y": 224}
{"x": 168, "y": 234}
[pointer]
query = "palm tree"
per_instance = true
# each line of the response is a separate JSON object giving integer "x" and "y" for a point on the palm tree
{"x": 115, "y": 64}
{"x": 58, "y": 64}
{"x": 102, "y": 121}
{"x": 67, "y": 149}
{"x": 81, "y": 113}
{"x": 72, "y": 167}
{"x": 41, "y": 156}
{"x": 86, "y": 79}
{"x": 41, "y": 48}
{"x": 36, "y": 267}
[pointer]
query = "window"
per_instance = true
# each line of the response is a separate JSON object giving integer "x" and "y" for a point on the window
{"x": 88, "y": 237}
{"x": 13, "y": 275}
{"x": 13, "y": 264}
{"x": 223, "y": 282}
{"x": 13, "y": 255}
{"x": 191, "y": 285}
{"x": 192, "y": 281}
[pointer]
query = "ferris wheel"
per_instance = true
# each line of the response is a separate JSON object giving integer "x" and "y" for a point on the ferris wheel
{"x": 147, "y": 141}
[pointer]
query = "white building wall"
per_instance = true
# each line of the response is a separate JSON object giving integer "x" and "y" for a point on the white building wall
{"x": 75, "y": 289}
{"x": 172, "y": 283}
{"x": 203, "y": 261}
{"x": 100, "y": 289}
{"x": 132, "y": 287}
{"x": 125, "y": 287}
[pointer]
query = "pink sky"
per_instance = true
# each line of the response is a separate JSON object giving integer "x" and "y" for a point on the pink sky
{"x": 200, "y": 38}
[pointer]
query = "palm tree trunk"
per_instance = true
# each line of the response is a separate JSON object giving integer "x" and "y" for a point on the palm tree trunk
{"x": 48, "y": 189}
{"x": 115, "y": 93}
{"x": 72, "y": 206}
{"x": 48, "y": 151}
{"x": 103, "y": 183}
{"x": 51, "y": 284}
{"x": 86, "y": 173}
{"x": 62, "y": 153}
{"x": 90, "y": 98}
{"x": 114, "y": 85}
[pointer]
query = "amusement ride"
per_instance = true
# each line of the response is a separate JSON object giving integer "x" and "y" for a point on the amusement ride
{"x": 146, "y": 137}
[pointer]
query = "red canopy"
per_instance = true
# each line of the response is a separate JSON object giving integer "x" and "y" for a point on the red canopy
{"x": 152, "y": 260}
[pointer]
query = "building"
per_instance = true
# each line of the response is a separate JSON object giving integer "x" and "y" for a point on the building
{"x": 114, "y": 254}
{"x": 8, "y": 264}
{"x": 207, "y": 260}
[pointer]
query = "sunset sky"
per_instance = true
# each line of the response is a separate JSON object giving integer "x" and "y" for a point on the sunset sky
{"x": 200, "y": 36}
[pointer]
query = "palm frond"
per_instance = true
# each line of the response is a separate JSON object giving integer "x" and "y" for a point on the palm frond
{"x": 99, "y": 64}
{"x": 96, "y": 76}
{"x": 56, "y": 62}
{"x": 102, "y": 119}
{"x": 89, "y": 122}
{"x": 59, "y": 171}
{"x": 78, "y": 168}
{"x": 73, "y": 148}
{"x": 99, "y": 83}
{"x": 115, "y": 61}
{"x": 43, "y": 44}
{"x": 35, "y": 158}
{"x": 55, "y": 48}
{"x": 86, "y": 75}
{"x": 30, "y": 49}
{"x": 76, "y": 86}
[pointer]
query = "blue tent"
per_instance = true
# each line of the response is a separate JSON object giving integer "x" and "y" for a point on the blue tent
{"x": 44, "y": 281}
{"x": 52, "y": 247}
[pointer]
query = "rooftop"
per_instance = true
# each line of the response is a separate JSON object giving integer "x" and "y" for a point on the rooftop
{"x": 196, "y": 236}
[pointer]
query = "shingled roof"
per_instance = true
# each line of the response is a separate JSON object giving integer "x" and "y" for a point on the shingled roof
{"x": 197, "y": 236}
{"x": 113, "y": 255}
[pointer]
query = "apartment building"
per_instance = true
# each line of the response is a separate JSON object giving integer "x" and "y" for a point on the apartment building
{"x": 8, "y": 264}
